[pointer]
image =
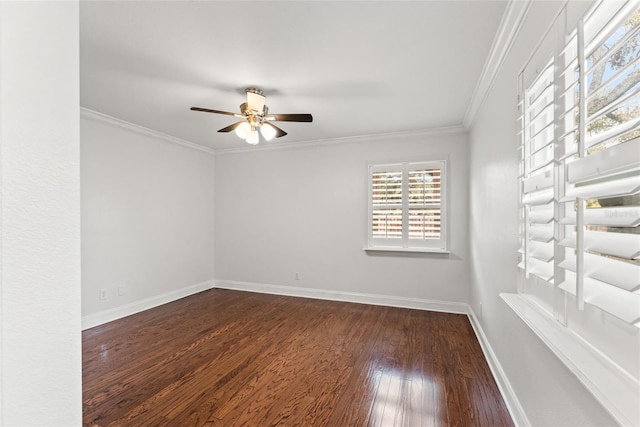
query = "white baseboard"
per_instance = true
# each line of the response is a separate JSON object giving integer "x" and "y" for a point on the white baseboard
{"x": 116, "y": 313}
{"x": 373, "y": 299}
{"x": 508, "y": 394}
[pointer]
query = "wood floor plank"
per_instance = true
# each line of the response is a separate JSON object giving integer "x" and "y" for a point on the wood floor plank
{"x": 230, "y": 358}
{"x": 161, "y": 369}
{"x": 353, "y": 402}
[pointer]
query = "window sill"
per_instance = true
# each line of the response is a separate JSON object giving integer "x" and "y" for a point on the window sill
{"x": 615, "y": 389}
{"x": 409, "y": 250}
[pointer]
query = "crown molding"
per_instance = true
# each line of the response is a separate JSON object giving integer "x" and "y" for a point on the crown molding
{"x": 510, "y": 25}
{"x": 345, "y": 139}
{"x": 105, "y": 118}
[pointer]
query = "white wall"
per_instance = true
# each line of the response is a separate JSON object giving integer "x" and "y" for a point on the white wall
{"x": 147, "y": 219}
{"x": 304, "y": 209}
{"x": 40, "y": 347}
{"x": 548, "y": 392}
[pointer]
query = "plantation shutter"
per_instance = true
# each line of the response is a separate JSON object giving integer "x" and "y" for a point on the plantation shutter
{"x": 537, "y": 176}
{"x": 407, "y": 205}
{"x": 424, "y": 203}
{"x": 600, "y": 155}
{"x": 579, "y": 212}
{"x": 386, "y": 187}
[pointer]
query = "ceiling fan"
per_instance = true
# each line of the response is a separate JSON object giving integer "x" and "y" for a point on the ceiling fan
{"x": 255, "y": 115}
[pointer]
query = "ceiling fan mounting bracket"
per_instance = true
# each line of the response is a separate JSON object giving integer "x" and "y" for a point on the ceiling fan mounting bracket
{"x": 254, "y": 90}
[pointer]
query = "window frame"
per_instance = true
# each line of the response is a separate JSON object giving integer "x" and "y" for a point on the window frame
{"x": 592, "y": 339}
{"x": 405, "y": 243}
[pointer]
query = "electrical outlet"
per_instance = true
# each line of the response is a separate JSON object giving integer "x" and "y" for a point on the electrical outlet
{"x": 103, "y": 294}
{"x": 297, "y": 275}
{"x": 122, "y": 290}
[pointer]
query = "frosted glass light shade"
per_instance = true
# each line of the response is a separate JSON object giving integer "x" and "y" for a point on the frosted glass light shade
{"x": 243, "y": 130}
{"x": 267, "y": 131}
{"x": 253, "y": 137}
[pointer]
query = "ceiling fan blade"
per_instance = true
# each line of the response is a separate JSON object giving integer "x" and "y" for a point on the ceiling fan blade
{"x": 279, "y": 132}
{"x": 291, "y": 117}
{"x": 206, "y": 110}
{"x": 231, "y": 127}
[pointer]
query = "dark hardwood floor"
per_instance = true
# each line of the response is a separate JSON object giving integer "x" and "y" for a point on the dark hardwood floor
{"x": 229, "y": 358}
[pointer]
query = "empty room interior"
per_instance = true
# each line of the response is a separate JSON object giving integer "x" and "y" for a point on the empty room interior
{"x": 329, "y": 213}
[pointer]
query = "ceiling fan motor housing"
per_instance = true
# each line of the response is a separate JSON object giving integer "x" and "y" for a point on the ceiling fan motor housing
{"x": 253, "y": 116}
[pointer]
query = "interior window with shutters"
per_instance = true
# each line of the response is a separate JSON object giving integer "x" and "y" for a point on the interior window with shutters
{"x": 537, "y": 186}
{"x": 406, "y": 206}
{"x": 579, "y": 214}
{"x": 598, "y": 199}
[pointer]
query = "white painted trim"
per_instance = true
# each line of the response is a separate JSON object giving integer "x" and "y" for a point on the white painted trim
{"x": 112, "y": 314}
{"x": 424, "y": 250}
{"x": 508, "y": 394}
{"x": 373, "y": 299}
{"x": 545, "y": 33}
{"x": 344, "y": 140}
{"x": 614, "y": 388}
{"x": 510, "y": 24}
{"x": 2, "y": 189}
{"x": 105, "y": 118}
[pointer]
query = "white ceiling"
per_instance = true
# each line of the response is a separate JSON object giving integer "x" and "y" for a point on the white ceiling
{"x": 359, "y": 67}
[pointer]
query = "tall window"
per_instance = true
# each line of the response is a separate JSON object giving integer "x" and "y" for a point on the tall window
{"x": 407, "y": 206}
{"x": 580, "y": 194}
{"x": 598, "y": 200}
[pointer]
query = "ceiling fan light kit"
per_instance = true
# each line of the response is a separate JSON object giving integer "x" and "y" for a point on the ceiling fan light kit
{"x": 268, "y": 131}
{"x": 255, "y": 115}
